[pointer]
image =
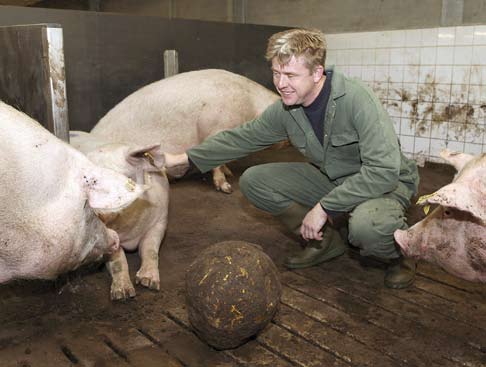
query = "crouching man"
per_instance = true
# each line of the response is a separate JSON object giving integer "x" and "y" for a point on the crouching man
{"x": 357, "y": 184}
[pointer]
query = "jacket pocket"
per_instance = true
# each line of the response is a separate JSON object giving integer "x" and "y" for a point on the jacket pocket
{"x": 343, "y": 156}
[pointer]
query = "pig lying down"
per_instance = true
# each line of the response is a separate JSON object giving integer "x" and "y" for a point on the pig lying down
{"x": 453, "y": 236}
{"x": 51, "y": 195}
{"x": 181, "y": 111}
{"x": 142, "y": 224}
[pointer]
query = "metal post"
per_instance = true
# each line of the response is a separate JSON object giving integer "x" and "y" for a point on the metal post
{"x": 57, "y": 83}
{"x": 171, "y": 63}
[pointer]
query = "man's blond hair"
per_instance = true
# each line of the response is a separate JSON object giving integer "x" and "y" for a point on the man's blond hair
{"x": 309, "y": 43}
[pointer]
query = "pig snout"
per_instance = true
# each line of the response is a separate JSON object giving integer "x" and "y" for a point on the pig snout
{"x": 402, "y": 239}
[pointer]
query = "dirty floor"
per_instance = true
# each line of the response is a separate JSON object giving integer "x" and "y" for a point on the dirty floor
{"x": 335, "y": 314}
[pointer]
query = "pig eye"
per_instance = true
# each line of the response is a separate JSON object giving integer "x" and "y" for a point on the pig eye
{"x": 447, "y": 212}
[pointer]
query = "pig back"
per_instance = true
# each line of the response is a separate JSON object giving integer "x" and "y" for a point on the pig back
{"x": 181, "y": 111}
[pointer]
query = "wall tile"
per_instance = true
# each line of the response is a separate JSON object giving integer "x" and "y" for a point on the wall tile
{"x": 445, "y": 55}
{"x": 381, "y": 89}
{"x": 397, "y": 38}
{"x": 368, "y": 73}
{"x": 409, "y": 92}
{"x": 479, "y": 35}
{"x": 426, "y": 74}
{"x": 428, "y": 55}
{"x": 355, "y": 71}
{"x": 383, "y": 39}
{"x": 446, "y": 36}
{"x": 479, "y": 55}
{"x": 461, "y": 74}
{"x": 394, "y": 108}
{"x": 455, "y": 132}
{"x": 463, "y": 55}
{"x": 369, "y": 39}
{"x": 432, "y": 82}
{"x": 413, "y": 37}
{"x": 455, "y": 145}
{"x": 411, "y": 73}
{"x": 436, "y": 145}
{"x": 396, "y": 73}
{"x": 382, "y": 56}
{"x": 397, "y": 56}
{"x": 382, "y": 73}
{"x": 443, "y": 74}
{"x": 442, "y": 93}
{"x": 464, "y": 35}
{"x": 411, "y": 55}
{"x": 439, "y": 130}
{"x": 421, "y": 146}
{"x": 459, "y": 93}
{"x": 423, "y": 128}
{"x": 429, "y": 37}
{"x": 407, "y": 143}
{"x": 407, "y": 127}
{"x": 474, "y": 96}
{"x": 478, "y": 75}
{"x": 368, "y": 56}
{"x": 474, "y": 149}
{"x": 474, "y": 135}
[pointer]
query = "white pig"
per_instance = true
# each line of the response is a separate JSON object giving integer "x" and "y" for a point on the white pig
{"x": 183, "y": 110}
{"x": 453, "y": 236}
{"x": 50, "y": 195}
{"x": 141, "y": 225}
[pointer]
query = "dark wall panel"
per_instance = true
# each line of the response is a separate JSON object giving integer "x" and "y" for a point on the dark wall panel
{"x": 24, "y": 77}
{"x": 108, "y": 56}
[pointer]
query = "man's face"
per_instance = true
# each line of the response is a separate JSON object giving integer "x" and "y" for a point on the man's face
{"x": 296, "y": 84}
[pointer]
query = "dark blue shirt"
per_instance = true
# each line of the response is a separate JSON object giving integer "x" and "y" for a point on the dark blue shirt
{"x": 316, "y": 111}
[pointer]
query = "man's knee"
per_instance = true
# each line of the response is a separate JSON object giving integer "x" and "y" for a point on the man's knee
{"x": 371, "y": 227}
{"x": 252, "y": 177}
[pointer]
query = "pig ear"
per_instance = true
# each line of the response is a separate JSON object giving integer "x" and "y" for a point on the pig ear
{"x": 457, "y": 159}
{"x": 109, "y": 191}
{"x": 462, "y": 197}
{"x": 149, "y": 157}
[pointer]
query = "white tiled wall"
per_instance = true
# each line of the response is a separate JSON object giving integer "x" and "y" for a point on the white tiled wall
{"x": 431, "y": 81}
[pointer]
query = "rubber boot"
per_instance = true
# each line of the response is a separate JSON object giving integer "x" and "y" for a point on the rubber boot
{"x": 400, "y": 273}
{"x": 316, "y": 252}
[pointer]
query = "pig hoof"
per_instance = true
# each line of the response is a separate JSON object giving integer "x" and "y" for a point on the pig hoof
{"x": 121, "y": 293}
{"x": 226, "y": 188}
{"x": 151, "y": 282}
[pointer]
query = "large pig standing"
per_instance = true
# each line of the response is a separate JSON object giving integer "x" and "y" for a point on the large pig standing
{"x": 141, "y": 225}
{"x": 50, "y": 194}
{"x": 181, "y": 111}
{"x": 454, "y": 235}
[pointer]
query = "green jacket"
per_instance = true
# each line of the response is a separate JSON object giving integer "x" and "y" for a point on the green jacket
{"x": 360, "y": 152}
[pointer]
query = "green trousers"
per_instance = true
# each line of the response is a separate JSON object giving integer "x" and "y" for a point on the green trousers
{"x": 273, "y": 187}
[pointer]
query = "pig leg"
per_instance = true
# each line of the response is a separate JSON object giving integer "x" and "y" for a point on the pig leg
{"x": 121, "y": 285}
{"x": 219, "y": 179}
{"x": 148, "y": 274}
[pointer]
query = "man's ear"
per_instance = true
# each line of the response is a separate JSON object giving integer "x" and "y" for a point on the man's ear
{"x": 318, "y": 73}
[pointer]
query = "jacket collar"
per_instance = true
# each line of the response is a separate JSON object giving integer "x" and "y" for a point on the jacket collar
{"x": 337, "y": 84}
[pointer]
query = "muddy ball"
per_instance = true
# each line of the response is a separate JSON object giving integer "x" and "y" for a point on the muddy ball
{"x": 232, "y": 292}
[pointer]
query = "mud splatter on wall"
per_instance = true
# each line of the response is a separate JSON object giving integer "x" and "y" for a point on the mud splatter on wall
{"x": 432, "y": 82}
